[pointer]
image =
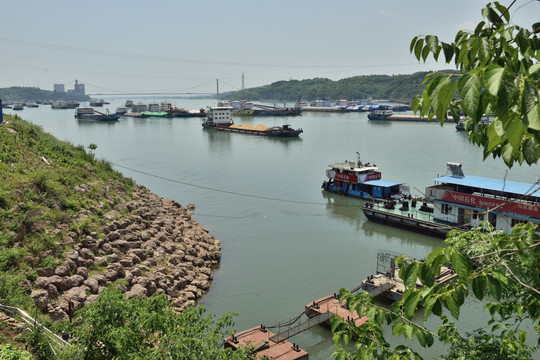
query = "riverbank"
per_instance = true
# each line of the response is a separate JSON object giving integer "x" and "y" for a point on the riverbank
{"x": 73, "y": 226}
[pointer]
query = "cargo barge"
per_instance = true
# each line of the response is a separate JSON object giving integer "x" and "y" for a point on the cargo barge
{"x": 219, "y": 118}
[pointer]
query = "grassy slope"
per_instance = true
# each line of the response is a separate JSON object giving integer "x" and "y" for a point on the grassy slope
{"x": 43, "y": 213}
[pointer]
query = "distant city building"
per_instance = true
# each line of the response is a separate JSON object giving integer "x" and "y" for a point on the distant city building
{"x": 59, "y": 88}
{"x": 78, "y": 88}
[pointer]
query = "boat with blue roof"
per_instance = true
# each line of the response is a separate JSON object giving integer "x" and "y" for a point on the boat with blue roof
{"x": 360, "y": 180}
{"x": 462, "y": 202}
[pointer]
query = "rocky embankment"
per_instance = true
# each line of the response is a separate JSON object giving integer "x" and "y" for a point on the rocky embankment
{"x": 149, "y": 245}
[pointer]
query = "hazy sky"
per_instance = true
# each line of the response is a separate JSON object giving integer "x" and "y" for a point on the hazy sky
{"x": 184, "y": 46}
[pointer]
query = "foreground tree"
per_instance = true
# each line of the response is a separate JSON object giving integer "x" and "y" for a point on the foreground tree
{"x": 114, "y": 327}
{"x": 500, "y": 76}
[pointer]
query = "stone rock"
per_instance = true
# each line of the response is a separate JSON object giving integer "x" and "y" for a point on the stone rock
{"x": 62, "y": 270}
{"x": 40, "y": 297}
{"x": 57, "y": 314}
{"x": 75, "y": 280}
{"x": 42, "y": 282}
{"x": 82, "y": 271}
{"x": 46, "y": 271}
{"x": 136, "y": 290}
{"x": 53, "y": 291}
{"x": 86, "y": 253}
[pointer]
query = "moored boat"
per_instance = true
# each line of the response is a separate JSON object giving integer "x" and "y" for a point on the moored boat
{"x": 381, "y": 112}
{"x": 219, "y": 118}
{"x": 88, "y": 113}
{"x": 360, "y": 180}
{"x": 461, "y": 202}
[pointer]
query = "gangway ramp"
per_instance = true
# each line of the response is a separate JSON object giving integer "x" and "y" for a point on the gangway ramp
{"x": 376, "y": 291}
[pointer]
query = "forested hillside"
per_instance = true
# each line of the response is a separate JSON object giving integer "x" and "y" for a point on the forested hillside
{"x": 392, "y": 87}
{"x": 18, "y": 93}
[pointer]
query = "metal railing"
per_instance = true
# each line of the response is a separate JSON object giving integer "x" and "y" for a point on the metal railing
{"x": 56, "y": 343}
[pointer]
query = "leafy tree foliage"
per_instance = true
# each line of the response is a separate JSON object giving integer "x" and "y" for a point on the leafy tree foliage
{"x": 9, "y": 352}
{"x": 500, "y": 75}
{"x": 114, "y": 327}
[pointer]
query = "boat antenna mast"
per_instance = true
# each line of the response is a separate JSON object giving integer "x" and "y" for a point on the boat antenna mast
{"x": 358, "y": 159}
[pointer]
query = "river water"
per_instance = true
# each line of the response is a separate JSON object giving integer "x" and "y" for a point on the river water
{"x": 285, "y": 242}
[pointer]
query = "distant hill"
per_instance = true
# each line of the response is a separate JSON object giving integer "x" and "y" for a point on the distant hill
{"x": 18, "y": 93}
{"x": 401, "y": 88}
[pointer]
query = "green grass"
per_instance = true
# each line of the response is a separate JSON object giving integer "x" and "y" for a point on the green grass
{"x": 40, "y": 182}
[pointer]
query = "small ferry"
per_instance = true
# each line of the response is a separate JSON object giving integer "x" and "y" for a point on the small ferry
{"x": 461, "y": 202}
{"x": 360, "y": 180}
{"x": 381, "y": 112}
{"x": 219, "y": 118}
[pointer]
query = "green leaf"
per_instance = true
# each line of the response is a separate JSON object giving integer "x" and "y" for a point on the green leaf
{"x": 429, "y": 303}
{"x": 452, "y": 306}
{"x": 469, "y": 90}
{"x": 479, "y": 286}
{"x": 493, "y": 76}
{"x": 426, "y": 274}
{"x": 534, "y": 68}
{"x": 413, "y": 43}
{"x": 483, "y": 48}
{"x": 532, "y": 118}
{"x": 437, "y": 308}
{"x": 461, "y": 265}
{"x": 448, "y": 51}
{"x": 530, "y": 151}
{"x": 410, "y": 302}
{"x": 411, "y": 273}
{"x": 508, "y": 154}
{"x": 418, "y": 48}
{"x": 425, "y": 53}
{"x": 495, "y": 288}
{"x": 506, "y": 95}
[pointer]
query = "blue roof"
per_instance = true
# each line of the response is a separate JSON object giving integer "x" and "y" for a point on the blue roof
{"x": 493, "y": 184}
{"x": 382, "y": 183}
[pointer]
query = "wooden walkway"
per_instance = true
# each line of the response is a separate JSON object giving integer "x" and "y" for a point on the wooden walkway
{"x": 276, "y": 345}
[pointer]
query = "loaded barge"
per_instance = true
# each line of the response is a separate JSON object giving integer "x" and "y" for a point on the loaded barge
{"x": 219, "y": 118}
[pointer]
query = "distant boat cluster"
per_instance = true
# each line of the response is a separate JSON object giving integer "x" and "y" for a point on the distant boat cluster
{"x": 164, "y": 109}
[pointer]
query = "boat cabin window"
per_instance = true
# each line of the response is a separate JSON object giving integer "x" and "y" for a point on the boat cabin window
{"x": 445, "y": 208}
{"x": 478, "y": 215}
{"x": 517, "y": 221}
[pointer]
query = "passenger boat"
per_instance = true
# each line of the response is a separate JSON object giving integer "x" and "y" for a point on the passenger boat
{"x": 219, "y": 118}
{"x": 381, "y": 112}
{"x": 462, "y": 202}
{"x": 360, "y": 180}
{"x": 122, "y": 110}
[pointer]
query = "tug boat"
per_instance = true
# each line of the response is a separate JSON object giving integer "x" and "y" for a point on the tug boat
{"x": 219, "y": 118}
{"x": 360, "y": 180}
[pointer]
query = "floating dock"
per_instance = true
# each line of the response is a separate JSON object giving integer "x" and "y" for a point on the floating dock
{"x": 263, "y": 345}
{"x": 386, "y": 283}
{"x": 275, "y": 345}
